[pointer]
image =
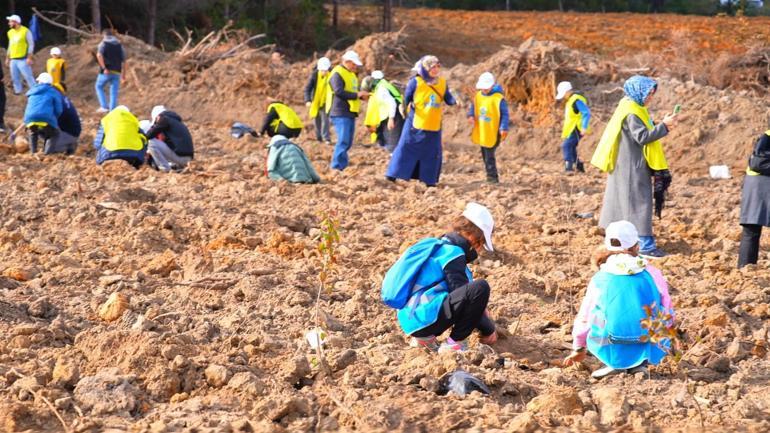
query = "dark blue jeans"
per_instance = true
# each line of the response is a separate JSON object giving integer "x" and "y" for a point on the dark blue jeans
{"x": 569, "y": 147}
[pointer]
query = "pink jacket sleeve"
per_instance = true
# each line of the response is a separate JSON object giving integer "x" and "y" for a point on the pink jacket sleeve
{"x": 662, "y": 285}
{"x": 582, "y": 322}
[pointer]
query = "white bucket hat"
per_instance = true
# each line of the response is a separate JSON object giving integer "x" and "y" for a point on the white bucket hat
{"x": 623, "y": 232}
{"x": 562, "y": 89}
{"x": 45, "y": 78}
{"x": 156, "y": 111}
{"x": 481, "y": 217}
{"x": 55, "y": 51}
{"x": 378, "y": 75}
{"x": 486, "y": 81}
{"x": 14, "y": 18}
{"x": 324, "y": 64}
{"x": 352, "y": 56}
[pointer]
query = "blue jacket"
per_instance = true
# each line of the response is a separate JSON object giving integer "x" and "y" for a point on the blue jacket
{"x": 69, "y": 120}
{"x": 44, "y": 104}
{"x": 504, "y": 117}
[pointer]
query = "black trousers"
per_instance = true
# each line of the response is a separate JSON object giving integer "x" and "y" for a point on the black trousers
{"x": 463, "y": 311}
{"x": 748, "y": 253}
{"x": 47, "y": 132}
{"x": 490, "y": 163}
{"x": 387, "y": 138}
{"x": 2, "y": 104}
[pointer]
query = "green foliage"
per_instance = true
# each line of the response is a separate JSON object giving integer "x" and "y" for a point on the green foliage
{"x": 327, "y": 249}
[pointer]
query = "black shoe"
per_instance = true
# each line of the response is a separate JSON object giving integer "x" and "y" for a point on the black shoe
{"x": 580, "y": 167}
{"x": 392, "y": 179}
{"x": 493, "y": 180}
{"x": 568, "y": 166}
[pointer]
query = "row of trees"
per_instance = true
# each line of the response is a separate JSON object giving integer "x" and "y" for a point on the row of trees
{"x": 298, "y": 25}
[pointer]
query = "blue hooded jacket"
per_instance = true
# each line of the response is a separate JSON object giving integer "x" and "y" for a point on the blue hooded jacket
{"x": 44, "y": 104}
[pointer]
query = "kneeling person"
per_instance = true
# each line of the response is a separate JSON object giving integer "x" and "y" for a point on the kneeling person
{"x": 281, "y": 120}
{"x": 119, "y": 137}
{"x": 287, "y": 161}
{"x": 69, "y": 128}
{"x": 171, "y": 145}
{"x": 44, "y": 106}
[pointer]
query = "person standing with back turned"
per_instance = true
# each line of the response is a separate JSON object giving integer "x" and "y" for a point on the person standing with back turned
{"x": 112, "y": 63}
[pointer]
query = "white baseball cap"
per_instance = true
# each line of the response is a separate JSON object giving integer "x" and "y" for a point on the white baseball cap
{"x": 14, "y": 18}
{"x": 324, "y": 64}
{"x": 145, "y": 125}
{"x": 156, "y": 111}
{"x": 45, "y": 78}
{"x": 486, "y": 81}
{"x": 623, "y": 232}
{"x": 55, "y": 51}
{"x": 562, "y": 89}
{"x": 378, "y": 75}
{"x": 352, "y": 56}
{"x": 481, "y": 217}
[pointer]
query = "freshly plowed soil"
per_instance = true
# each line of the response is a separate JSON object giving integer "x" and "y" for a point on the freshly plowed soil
{"x": 141, "y": 301}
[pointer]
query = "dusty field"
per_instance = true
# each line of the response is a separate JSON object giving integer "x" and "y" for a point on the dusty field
{"x": 216, "y": 269}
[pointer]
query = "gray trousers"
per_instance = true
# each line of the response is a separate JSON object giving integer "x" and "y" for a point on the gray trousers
{"x": 322, "y": 126}
{"x": 165, "y": 158}
{"x": 61, "y": 143}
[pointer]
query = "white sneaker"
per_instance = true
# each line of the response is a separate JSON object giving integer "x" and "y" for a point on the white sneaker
{"x": 102, "y": 110}
{"x": 604, "y": 371}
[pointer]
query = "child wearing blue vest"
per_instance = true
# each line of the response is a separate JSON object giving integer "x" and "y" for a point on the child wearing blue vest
{"x": 609, "y": 323}
{"x": 445, "y": 295}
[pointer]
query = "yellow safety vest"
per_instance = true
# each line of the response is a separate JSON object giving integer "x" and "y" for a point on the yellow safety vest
{"x": 55, "y": 67}
{"x": 606, "y": 152}
{"x": 286, "y": 115}
{"x": 121, "y": 131}
{"x": 428, "y": 100}
{"x": 319, "y": 95}
{"x": 573, "y": 120}
{"x": 486, "y": 121}
{"x": 751, "y": 172}
{"x": 17, "y": 42}
{"x": 351, "y": 85}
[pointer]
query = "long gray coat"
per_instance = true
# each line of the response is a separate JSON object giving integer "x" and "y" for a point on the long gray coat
{"x": 629, "y": 187}
{"x": 755, "y": 201}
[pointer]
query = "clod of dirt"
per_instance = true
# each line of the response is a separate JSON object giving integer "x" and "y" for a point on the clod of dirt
{"x": 163, "y": 264}
{"x": 21, "y": 273}
{"x": 295, "y": 369}
{"x": 556, "y": 403}
{"x": 247, "y": 383}
{"x": 217, "y": 375}
{"x": 41, "y": 308}
{"x": 114, "y": 307}
{"x": 66, "y": 372}
{"x": 612, "y": 405}
{"x": 107, "y": 392}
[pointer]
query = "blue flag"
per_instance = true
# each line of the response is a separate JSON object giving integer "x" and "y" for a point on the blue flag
{"x": 34, "y": 27}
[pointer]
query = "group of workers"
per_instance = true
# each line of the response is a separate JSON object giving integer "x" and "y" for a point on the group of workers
{"x": 164, "y": 142}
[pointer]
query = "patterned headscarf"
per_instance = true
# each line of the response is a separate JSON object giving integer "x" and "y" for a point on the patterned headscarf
{"x": 639, "y": 87}
{"x": 426, "y": 63}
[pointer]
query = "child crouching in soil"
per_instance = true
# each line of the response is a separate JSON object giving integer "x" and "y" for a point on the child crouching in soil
{"x": 624, "y": 292}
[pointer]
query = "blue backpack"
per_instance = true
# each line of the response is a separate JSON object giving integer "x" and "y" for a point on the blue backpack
{"x": 400, "y": 278}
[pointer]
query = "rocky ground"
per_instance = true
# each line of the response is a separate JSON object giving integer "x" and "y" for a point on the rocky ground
{"x": 140, "y": 301}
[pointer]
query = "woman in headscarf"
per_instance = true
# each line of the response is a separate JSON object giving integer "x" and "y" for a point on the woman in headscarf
{"x": 631, "y": 152}
{"x": 755, "y": 201}
{"x": 418, "y": 154}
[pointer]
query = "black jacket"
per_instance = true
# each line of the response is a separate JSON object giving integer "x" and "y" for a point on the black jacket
{"x": 340, "y": 105}
{"x": 69, "y": 120}
{"x": 176, "y": 134}
{"x": 310, "y": 86}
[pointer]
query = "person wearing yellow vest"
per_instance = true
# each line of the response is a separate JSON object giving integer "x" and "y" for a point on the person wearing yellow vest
{"x": 383, "y": 111}
{"x": 419, "y": 154}
{"x": 343, "y": 102}
{"x": 57, "y": 67}
{"x": 120, "y": 137}
{"x": 755, "y": 201}
{"x": 315, "y": 99}
{"x": 18, "y": 57}
{"x": 281, "y": 120}
{"x": 577, "y": 116}
{"x": 488, "y": 115}
{"x": 630, "y": 151}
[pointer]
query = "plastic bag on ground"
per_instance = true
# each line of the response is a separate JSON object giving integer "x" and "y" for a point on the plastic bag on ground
{"x": 461, "y": 383}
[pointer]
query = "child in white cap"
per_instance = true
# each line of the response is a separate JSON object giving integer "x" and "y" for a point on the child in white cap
{"x": 443, "y": 294}
{"x": 624, "y": 292}
{"x": 488, "y": 115}
{"x": 577, "y": 116}
{"x": 57, "y": 67}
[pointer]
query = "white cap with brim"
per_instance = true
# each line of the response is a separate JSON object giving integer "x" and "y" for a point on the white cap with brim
{"x": 45, "y": 78}
{"x": 481, "y": 217}
{"x": 562, "y": 89}
{"x": 378, "y": 75}
{"x": 55, "y": 51}
{"x": 486, "y": 81}
{"x": 15, "y": 18}
{"x": 324, "y": 64}
{"x": 156, "y": 111}
{"x": 624, "y": 233}
{"x": 352, "y": 56}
